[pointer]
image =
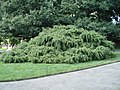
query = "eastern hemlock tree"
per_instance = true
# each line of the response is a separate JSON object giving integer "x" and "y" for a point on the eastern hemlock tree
{"x": 62, "y": 44}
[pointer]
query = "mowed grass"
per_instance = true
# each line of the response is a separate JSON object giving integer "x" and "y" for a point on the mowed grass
{"x": 20, "y": 71}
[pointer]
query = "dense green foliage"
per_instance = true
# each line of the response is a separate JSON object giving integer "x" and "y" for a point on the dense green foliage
{"x": 112, "y": 32}
{"x": 24, "y": 19}
{"x": 61, "y": 44}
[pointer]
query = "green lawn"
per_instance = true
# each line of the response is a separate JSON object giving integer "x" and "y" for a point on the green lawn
{"x": 29, "y": 70}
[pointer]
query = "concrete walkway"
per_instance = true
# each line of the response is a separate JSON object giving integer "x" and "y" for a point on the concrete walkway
{"x": 101, "y": 78}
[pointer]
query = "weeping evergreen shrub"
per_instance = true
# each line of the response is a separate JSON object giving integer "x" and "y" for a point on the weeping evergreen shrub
{"x": 62, "y": 44}
{"x": 14, "y": 56}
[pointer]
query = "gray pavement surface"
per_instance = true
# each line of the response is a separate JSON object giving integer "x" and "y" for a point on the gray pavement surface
{"x": 101, "y": 78}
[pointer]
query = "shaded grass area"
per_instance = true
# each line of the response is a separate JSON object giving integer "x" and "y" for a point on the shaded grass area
{"x": 117, "y": 50}
{"x": 9, "y": 72}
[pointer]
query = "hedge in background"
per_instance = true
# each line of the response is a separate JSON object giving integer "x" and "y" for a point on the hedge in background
{"x": 62, "y": 44}
{"x": 108, "y": 29}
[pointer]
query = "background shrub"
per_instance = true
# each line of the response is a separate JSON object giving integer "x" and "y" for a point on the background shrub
{"x": 112, "y": 32}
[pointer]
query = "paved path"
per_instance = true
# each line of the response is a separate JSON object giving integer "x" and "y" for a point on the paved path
{"x": 101, "y": 78}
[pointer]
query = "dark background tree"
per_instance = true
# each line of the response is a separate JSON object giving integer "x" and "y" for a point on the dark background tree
{"x": 24, "y": 19}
